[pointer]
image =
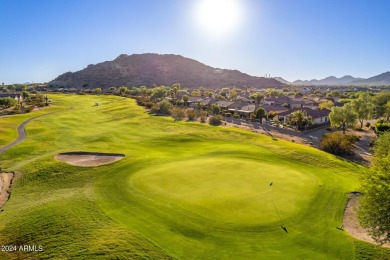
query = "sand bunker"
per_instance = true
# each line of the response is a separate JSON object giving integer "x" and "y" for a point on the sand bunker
{"x": 351, "y": 222}
{"x": 88, "y": 159}
{"x": 5, "y": 183}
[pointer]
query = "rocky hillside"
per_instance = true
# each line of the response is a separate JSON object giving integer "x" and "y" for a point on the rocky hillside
{"x": 149, "y": 69}
{"x": 332, "y": 80}
{"x": 381, "y": 79}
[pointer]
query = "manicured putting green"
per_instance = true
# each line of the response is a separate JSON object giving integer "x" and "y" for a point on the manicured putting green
{"x": 230, "y": 190}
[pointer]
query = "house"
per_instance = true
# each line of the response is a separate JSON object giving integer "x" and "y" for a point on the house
{"x": 276, "y": 100}
{"x": 17, "y": 97}
{"x": 276, "y": 109}
{"x": 193, "y": 100}
{"x": 318, "y": 117}
{"x": 207, "y": 102}
{"x": 242, "y": 108}
{"x": 296, "y": 104}
{"x": 224, "y": 104}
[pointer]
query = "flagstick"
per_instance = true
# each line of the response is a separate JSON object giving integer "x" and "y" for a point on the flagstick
{"x": 272, "y": 199}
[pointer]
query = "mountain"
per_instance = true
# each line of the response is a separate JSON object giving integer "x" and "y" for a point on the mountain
{"x": 332, "y": 80}
{"x": 381, "y": 79}
{"x": 148, "y": 69}
{"x": 280, "y": 79}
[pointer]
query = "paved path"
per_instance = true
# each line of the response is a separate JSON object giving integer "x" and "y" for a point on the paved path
{"x": 22, "y": 131}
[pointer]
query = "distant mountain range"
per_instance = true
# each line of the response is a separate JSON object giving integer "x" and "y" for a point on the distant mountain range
{"x": 149, "y": 69}
{"x": 382, "y": 79}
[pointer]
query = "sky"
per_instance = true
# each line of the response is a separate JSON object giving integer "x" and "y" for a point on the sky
{"x": 293, "y": 39}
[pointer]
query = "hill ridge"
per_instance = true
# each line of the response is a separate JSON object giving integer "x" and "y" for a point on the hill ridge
{"x": 161, "y": 69}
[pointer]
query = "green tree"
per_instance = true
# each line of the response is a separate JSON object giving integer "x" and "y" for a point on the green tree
{"x": 196, "y": 93}
{"x": 272, "y": 114}
{"x": 215, "y": 109}
{"x": 342, "y": 117}
{"x": 374, "y": 209}
{"x": 26, "y": 95}
{"x": 122, "y": 90}
{"x": 338, "y": 143}
{"x": 175, "y": 88}
{"x": 363, "y": 107}
{"x": 11, "y": 88}
{"x": 300, "y": 118}
{"x": 381, "y": 100}
{"x": 203, "y": 116}
{"x": 191, "y": 115}
{"x": 185, "y": 100}
{"x": 7, "y": 102}
{"x": 326, "y": 105}
{"x": 164, "y": 107}
{"x": 215, "y": 120}
{"x": 233, "y": 94}
{"x": 260, "y": 114}
{"x": 158, "y": 93}
{"x": 178, "y": 113}
{"x": 257, "y": 97}
{"x": 224, "y": 92}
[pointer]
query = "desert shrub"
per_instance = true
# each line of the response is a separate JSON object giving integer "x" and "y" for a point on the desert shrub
{"x": 338, "y": 143}
{"x": 163, "y": 107}
{"x": 148, "y": 104}
{"x": 368, "y": 124}
{"x": 203, "y": 116}
{"x": 215, "y": 120}
{"x": 142, "y": 101}
{"x": 178, "y": 113}
{"x": 30, "y": 108}
{"x": 277, "y": 122}
{"x": 382, "y": 126}
{"x": 191, "y": 115}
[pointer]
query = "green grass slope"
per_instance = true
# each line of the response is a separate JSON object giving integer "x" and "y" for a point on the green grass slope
{"x": 184, "y": 190}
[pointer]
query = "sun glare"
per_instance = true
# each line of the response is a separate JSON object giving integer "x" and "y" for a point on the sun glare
{"x": 218, "y": 17}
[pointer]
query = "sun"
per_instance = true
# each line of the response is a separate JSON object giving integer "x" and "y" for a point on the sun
{"x": 218, "y": 17}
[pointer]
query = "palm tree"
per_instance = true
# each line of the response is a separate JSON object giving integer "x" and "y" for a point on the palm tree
{"x": 300, "y": 118}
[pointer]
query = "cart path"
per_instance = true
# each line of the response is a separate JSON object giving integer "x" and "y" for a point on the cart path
{"x": 22, "y": 131}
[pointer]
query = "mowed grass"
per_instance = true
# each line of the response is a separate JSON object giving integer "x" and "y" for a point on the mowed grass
{"x": 228, "y": 190}
{"x": 184, "y": 190}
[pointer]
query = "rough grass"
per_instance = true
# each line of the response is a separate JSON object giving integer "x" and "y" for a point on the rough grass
{"x": 165, "y": 198}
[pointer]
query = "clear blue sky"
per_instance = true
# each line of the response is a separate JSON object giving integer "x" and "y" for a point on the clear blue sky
{"x": 294, "y": 39}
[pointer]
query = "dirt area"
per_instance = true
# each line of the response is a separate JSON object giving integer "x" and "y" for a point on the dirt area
{"x": 351, "y": 222}
{"x": 5, "y": 183}
{"x": 88, "y": 159}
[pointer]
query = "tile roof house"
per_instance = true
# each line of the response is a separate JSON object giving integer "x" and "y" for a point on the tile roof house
{"x": 276, "y": 109}
{"x": 317, "y": 116}
{"x": 17, "y": 97}
{"x": 224, "y": 104}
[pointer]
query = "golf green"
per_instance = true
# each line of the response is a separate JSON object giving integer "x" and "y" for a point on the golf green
{"x": 226, "y": 189}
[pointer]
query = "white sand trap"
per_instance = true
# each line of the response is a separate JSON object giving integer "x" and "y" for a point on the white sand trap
{"x": 351, "y": 222}
{"x": 88, "y": 159}
{"x": 5, "y": 183}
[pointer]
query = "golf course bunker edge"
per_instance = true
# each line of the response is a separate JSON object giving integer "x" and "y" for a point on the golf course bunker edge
{"x": 88, "y": 159}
